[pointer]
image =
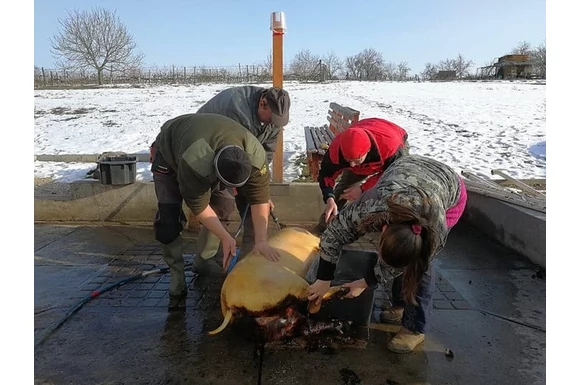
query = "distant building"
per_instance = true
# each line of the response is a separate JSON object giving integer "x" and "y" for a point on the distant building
{"x": 446, "y": 75}
{"x": 509, "y": 67}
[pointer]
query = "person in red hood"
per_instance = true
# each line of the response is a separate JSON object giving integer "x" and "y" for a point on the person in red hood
{"x": 362, "y": 151}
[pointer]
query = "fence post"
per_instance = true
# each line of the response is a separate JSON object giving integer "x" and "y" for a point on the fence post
{"x": 184, "y": 74}
{"x": 43, "y": 77}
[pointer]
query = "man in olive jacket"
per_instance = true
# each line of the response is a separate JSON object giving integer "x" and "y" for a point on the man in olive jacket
{"x": 195, "y": 159}
{"x": 263, "y": 111}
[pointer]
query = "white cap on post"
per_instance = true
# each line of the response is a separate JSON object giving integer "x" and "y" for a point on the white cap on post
{"x": 278, "y": 22}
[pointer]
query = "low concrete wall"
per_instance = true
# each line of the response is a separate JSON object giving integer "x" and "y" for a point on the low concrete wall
{"x": 515, "y": 227}
{"x": 521, "y": 229}
{"x": 82, "y": 158}
{"x": 92, "y": 201}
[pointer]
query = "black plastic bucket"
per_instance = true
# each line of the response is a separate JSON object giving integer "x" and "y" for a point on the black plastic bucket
{"x": 118, "y": 170}
{"x": 353, "y": 265}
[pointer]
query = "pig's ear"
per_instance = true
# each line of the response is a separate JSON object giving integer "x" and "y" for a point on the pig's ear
{"x": 313, "y": 308}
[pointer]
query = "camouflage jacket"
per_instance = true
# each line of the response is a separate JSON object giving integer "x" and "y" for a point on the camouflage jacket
{"x": 439, "y": 181}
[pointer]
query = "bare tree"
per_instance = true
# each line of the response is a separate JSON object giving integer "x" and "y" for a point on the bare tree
{"x": 267, "y": 66}
{"x": 538, "y": 57}
{"x": 333, "y": 64}
{"x": 430, "y": 72}
{"x": 462, "y": 66}
{"x": 352, "y": 66}
{"x": 390, "y": 71}
{"x": 96, "y": 40}
{"x": 523, "y": 48}
{"x": 367, "y": 65}
{"x": 446, "y": 65}
{"x": 304, "y": 65}
{"x": 403, "y": 70}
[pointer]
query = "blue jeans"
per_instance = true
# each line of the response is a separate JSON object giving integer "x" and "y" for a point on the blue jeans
{"x": 416, "y": 318}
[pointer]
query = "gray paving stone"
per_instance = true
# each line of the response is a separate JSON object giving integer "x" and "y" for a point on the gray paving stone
{"x": 445, "y": 288}
{"x": 461, "y": 305}
{"x": 453, "y": 296}
{"x": 439, "y": 295}
{"x": 157, "y": 294}
{"x": 439, "y": 304}
{"x": 149, "y": 302}
{"x": 138, "y": 294}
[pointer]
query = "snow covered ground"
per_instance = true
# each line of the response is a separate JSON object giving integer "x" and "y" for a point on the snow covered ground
{"x": 472, "y": 126}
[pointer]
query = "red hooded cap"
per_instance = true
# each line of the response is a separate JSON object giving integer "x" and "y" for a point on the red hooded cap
{"x": 354, "y": 143}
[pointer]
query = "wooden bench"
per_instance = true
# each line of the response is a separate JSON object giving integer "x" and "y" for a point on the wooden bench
{"x": 318, "y": 138}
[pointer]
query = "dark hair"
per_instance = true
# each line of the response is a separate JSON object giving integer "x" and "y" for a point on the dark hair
{"x": 399, "y": 245}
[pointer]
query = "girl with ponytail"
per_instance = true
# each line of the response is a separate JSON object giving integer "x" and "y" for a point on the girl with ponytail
{"x": 413, "y": 206}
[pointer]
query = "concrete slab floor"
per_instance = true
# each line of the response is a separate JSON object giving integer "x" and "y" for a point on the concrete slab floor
{"x": 490, "y": 310}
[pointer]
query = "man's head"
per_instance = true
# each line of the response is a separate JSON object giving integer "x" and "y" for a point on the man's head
{"x": 355, "y": 144}
{"x": 274, "y": 107}
{"x": 232, "y": 166}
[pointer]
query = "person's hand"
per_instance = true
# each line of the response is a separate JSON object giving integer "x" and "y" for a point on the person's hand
{"x": 267, "y": 251}
{"x": 229, "y": 247}
{"x": 271, "y": 204}
{"x": 356, "y": 288}
{"x": 317, "y": 290}
{"x": 331, "y": 210}
{"x": 351, "y": 193}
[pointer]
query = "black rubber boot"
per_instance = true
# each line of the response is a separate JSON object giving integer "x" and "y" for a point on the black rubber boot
{"x": 177, "y": 302}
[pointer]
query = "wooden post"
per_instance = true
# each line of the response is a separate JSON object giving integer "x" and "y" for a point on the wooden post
{"x": 278, "y": 27}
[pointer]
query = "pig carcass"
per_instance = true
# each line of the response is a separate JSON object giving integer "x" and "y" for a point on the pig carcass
{"x": 275, "y": 294}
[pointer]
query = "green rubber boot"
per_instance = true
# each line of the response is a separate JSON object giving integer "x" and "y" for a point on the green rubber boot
{"x": 173, "y": 256}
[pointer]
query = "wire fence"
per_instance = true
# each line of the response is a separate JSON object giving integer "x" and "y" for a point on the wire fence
{"x": 44, "y": 77}
{"x": 240, "y": 74}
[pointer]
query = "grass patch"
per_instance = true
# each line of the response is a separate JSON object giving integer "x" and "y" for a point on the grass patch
{"x": 302, "y": 164}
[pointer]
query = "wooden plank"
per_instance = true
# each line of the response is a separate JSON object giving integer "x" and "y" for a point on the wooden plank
{"x": 320, "y": 140}
{"x": 345, "y": 111}
{"x": 338, "y": 125}
{"x": 344, "y": 123}
{"x": 310, "y": 146}
{"x": 329, "y": 134}
{"x": 317, "y": 138}
{"x": 337, "y": 121}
